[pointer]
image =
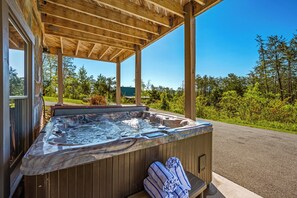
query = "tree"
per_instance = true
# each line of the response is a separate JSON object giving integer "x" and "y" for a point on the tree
{"x": 230, "y": 103}
{"x": 275, "y": 58}
{"x": 16, "y": 84}
{"x": 84, "y": 83}
{"x": 164, "y": 101}
{"x": 49, "y": 66}
{"x": 262, "y": 69}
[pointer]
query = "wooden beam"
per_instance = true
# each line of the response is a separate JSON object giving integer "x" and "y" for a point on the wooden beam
{"x": 169, "y": 5}
{"x": 190, "y": 62}
{"x": 4, "y": 102}
{"x": 118, "y": 80}
{"x": 91, "y": 51}
{"x": 201, "y": 2}
{"x": 80, "y": 54}
{"x": 125, "y": 55}
{"x": 177, "y": 22}
{"x": 136, "y": 10}
{"x": 97, "y": 11}
{"x": 61, "y": 40}
{"x": 77, "y": 48}
{"x": 138, "y": 75}
{"x": 72, "y": 15}
{"x": 67, "y": 33}
{"x": 103, "y": 52}
{"x": 115, "y": 54}
{"x": 199, "y": 9}
{"x": 47, "y": 19}
{"x": 60, "y": 78}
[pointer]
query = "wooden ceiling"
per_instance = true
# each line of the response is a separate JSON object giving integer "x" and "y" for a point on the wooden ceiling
{"x": 109, "y": 30}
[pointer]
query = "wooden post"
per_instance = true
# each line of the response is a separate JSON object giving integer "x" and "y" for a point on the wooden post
{"x": 190, "y": 62}
{"x": 4, "y": 102}
{"x": 137, "y": 75}
{"x": 118, "y": 89}
{"x": 60, "y": 78}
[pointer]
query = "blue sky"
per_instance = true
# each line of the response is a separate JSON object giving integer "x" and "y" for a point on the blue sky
{"x": 225, "y": 43}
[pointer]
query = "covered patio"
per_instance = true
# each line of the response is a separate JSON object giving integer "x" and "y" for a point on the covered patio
{"x": 113, "y": 31}
{"x": 101, "y": 30}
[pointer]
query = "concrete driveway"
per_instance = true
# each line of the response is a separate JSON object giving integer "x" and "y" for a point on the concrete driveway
{"x": 262, "y": 161}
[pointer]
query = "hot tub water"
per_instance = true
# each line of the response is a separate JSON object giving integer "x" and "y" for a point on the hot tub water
{"x": 90, "y": 129}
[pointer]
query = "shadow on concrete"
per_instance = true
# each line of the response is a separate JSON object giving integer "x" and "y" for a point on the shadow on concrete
{"x": 212, "y": 192}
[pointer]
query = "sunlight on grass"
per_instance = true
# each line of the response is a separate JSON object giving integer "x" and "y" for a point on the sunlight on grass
{"x": 66, "y": 100}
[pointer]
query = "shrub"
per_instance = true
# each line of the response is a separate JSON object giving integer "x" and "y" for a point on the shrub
{"x": 97, "y": 100}
{"x": 229, "y": 103}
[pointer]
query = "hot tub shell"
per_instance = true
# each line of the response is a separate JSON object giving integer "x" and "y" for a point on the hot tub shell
{"x": 106, "y": 170}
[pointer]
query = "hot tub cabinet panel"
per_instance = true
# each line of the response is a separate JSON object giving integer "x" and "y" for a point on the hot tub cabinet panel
{"x": 120, "y": 175}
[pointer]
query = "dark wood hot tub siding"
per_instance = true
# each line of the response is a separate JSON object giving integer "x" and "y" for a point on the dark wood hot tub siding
{"x": 121, "y": 175}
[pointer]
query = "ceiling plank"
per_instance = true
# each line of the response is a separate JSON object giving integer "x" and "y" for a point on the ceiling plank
{"x": 47, "y": 19}
{"x": 136, "y": 10}
{"x": 72, "y": 15}
{"x": 116, "y": 17}
{"x": 103, "y": 53}
{"x": 201, "y": 2}
{"x": 91, "y": 51}
{"x": 169, "y": 5}
{"x": 77, "y": 48}
{"x": 115, "y": 54}
{"x": 67, "y": 33}
{"x": 61, "y": 40}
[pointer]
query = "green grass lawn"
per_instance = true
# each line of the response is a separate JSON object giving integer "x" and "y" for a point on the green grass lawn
{"x": 65, "y": 100}
{"x": 274, "y": 126}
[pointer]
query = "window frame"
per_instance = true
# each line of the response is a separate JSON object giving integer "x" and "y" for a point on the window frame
{"x": 9, "y": 10}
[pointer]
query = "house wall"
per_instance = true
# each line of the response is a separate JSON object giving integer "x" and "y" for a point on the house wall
{"x": 33, "y": 19}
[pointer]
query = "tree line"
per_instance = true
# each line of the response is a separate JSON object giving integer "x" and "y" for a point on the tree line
{"x": 77, "y": 85}
{"x": 267, "y": 96}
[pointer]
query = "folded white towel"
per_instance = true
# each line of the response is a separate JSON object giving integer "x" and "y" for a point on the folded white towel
{"x": 175, "y": 166}
{"x": 180, "y": 192}
{"x": 151, "y": 187}
{"x": 165, "y": 180}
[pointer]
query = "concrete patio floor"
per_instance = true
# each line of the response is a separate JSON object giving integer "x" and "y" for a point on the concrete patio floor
{"x": 223, "y": 187}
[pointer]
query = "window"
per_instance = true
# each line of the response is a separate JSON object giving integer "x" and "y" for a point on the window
{"x": 20, "y": 102}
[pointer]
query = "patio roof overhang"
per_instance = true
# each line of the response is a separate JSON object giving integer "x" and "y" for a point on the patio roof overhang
{"x": 110, "y": 30}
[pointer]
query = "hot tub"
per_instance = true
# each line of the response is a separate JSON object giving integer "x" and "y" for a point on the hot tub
{"x": 104, "y": 152}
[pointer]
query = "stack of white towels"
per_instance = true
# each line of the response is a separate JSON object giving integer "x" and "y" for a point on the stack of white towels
{"x": 167, "y": 182}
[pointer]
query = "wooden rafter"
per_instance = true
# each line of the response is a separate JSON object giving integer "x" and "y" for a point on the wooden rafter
{"x": 201, "y": 2}
{"x": 136, "y": 10}
{"x": 113, "y": 26}
{"x": 72, "y": 15}
{"x": 125, "y": 55}
{"x": 91, "y": 51}
{"x": 104, "y": 53}
{"x": 61, "y": 40}
{"x": 169, "y": 5}
{"x": 117, "y": 17}
{"x": 64, "y": 32}
{"x": 115, "y": 54}
{"x": 77, "y": 47}
{"x": 199, "y": 9}
{"x": 81, "y": 54}
{"x": 47, "y": 19}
